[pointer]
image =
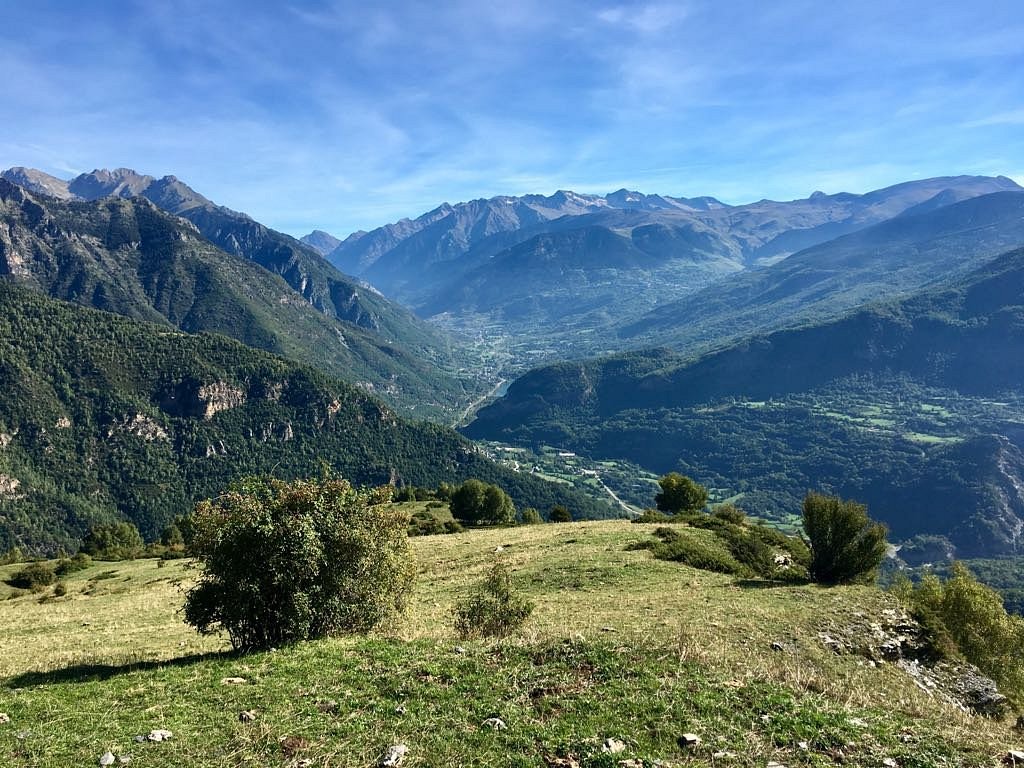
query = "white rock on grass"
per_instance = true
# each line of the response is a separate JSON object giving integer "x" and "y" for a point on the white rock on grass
{"x": 394, "y": 756}
{"x": 158, "y": 735}
{"x": 494, "y": 723}
{"x": 107, "y": 758}
{"x": 689, "y": 740}
{"x": 4, "y": 718}
{"x": 613, "y": 746}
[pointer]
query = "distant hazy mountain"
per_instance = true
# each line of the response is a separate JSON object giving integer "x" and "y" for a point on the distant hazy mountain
{"x": 915, "y": 407}
{"x": 125, "y": 255}
{"x": 527, "y": 265}
{"x": 922, "y": 245}
{"x": 324, "y": 242}
{"x": 102, "y": 418}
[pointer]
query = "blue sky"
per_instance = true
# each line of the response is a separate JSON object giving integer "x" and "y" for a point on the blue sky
{"x": 344, "y": 115}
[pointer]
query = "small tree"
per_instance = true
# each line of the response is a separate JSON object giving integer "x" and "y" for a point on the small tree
{"x": 846, "y": 545}
{"x": 284, "y": 562}
{"x": 113, "y": 541}
{"x": 478, "y": 503}
{"x": 467, "y": 501}
{"x": 559, "y": 514}
{"x": 493, "y": 609}
{"x": 498, "y": 507}
{"x": 679, "y": 495}
{"x": 530, "y": 516}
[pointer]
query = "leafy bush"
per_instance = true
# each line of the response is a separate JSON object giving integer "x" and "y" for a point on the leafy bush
{"x": 34, "y": 576}
{"x": 493, "y": 609}
{"x": 530, "y": 516}
{"x": 695, "y": 552}
{"x": 962, "y": 615}
{"x": 846, "y": 545}
{"x": 730, "y": 513}
{"x": 680, "y": 494}
{"x": 559, "y": 514}
{"x": 426, "y": 524}
{"x": 477, "y": 503}
{"x": 654, "y": 516}
{"x": 113, "y": 541}
{"x": 11, "y": 556}
{"x": 69, "y": 565}
{"x": 284, "y": 562}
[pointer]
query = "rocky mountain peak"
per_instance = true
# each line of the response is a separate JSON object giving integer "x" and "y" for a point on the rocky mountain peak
{"x": 121, "y": 182}
{"x": 38, "y": 182}
{"x": 323, "y": 242}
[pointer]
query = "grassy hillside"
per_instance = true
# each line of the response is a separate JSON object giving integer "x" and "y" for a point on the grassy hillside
{"x": 104, "y": 417}
{"x": 620, "y": 646}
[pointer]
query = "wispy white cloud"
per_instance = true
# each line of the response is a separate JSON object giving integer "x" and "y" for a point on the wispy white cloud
{"x": 1009, "y": 117}
{"x": 343, "y": 115}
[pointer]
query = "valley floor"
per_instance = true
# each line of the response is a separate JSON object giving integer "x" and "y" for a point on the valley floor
{"x": 620, "y": 646}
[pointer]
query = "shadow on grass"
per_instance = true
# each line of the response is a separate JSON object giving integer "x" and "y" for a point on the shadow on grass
{"x": 766, "y": 584}
{"x": 85, "y": 673}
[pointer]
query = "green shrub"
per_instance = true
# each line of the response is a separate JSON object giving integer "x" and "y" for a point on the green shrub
{"x": 425, "y": 524}
{"x": 680, "y": 494}
{"x": 113, "y": 541}
{"x": 963, "y": 616}
{"x": 730, "y": 513}
{"x": 478, "y": 503}
{"x": 654, "y": 516}
{"x": 559, "y": 514}
{"x": 74, "y": 564}
{"x": 492, "y": 609}
{"x": 34, "y": 576}
{"x": 11, "y": 556}
{"x": 530, "y": 516}
{"x": 284, "y": 562}
{"x": 697, "y": 553}
{"x": 846, "y": 545}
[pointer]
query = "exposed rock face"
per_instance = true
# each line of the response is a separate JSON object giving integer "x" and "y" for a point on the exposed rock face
{"x": 9, "y": 487}
{"x": 896, "y": 638}
{"x": 219, "y": 396}
{"x": 141, "y": 426}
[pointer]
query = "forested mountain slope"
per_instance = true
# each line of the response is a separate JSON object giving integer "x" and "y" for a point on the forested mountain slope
{"x": 104, "y": 417}
{"x": 915, "y": 407}
{"x": 129, "y": 257}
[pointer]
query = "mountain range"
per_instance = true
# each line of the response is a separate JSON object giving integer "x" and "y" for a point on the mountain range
{"x": 156, "y": 250}
{"x": 868, "y": 345}
{"x": 563, "y": 269}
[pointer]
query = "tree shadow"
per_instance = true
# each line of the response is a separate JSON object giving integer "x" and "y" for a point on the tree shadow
{"x": 85, "y": 673}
